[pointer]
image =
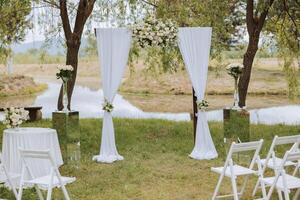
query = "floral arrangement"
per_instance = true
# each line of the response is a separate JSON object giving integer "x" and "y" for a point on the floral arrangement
{"x": 202, "y": 105}
{"x": 154, "y": 32}
{"x": 235, "y": 70}
{"x": 108, "y": 107}
{"x": 14, "y": 117}
{"x": 64, "y": 72}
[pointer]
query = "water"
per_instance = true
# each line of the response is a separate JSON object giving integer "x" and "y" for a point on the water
{"x": 288, "y": 115}
{"x": 89, "y": 103}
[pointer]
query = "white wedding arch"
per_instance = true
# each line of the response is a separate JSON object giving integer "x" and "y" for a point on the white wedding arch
{"x": 113, "y": 48}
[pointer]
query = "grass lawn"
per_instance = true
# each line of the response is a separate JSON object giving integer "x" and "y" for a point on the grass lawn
{"x": 156, "y": 164}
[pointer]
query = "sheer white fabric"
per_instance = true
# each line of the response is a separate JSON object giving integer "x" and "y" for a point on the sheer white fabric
{"x": 30, "y": 139}
{"x": 194, "y": 44}
{"x": 113, "y": 48}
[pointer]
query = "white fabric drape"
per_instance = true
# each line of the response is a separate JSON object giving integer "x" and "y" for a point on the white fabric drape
{"x": 194, "y": 44}
{"x": 31, "y": 139}
{"x": 113, "y": 48}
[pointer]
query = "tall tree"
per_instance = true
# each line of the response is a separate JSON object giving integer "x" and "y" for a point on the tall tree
{"x": 255, "y": 20}
{"x": 73, "y": 32}
{"x": 14, "y": 21}
{"x": 258, "y": 14}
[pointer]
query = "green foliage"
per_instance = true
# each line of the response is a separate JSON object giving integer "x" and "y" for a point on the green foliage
{"x": 284, "y": 24}
{"x": 13, "y": 23}
{"x": 217, "y": 14}
{"x": 91, "y": 49}
{"x": 162, "y": 60}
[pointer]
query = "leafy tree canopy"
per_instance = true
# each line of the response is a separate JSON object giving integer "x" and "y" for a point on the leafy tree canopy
{"x": 13, "y": 23}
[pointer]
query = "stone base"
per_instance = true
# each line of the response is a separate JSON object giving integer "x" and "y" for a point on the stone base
{"x": 236, "y": 124}
{"x": 68, "y": 130}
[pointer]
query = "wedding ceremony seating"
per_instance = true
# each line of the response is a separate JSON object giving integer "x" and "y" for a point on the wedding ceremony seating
{"x": 232, "y": 170}
{"x": 272, "y": 161}
{"x": 48, "y": 182}
{"x": 5, "y": 177}
{"x": 282, "y": 181}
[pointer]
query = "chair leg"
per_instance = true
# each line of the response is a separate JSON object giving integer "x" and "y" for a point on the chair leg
{"x": 263, "y": 189}
{"x": 286, "y": 195}
{"x": 255, "y": 188}
{"x": 39, "y": 193}
{"x": 12, "y": 187}
{"x": 244, "y": 185}
{"x": 279, "y": 195}
{"x": 234, "y": 188}
{"x": 66, "y": 194}
{"x": 10, "y": 182}
{"x": 49, "y": 194}
{"x": 297, "y": 194}
{"x": 218, "y": 187}
{"x": 19, "y": 197}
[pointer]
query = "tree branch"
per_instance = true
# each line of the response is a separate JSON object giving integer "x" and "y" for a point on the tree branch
{"x": 80, "y": 17}
{"x": 52, "y": 3}
{"x": 263, "y": 15}
{"x": 149, "y": 3}
{"x": 65, "y": 18}
{"x": 290, "y": 16}
{"x": 249, "y": 16}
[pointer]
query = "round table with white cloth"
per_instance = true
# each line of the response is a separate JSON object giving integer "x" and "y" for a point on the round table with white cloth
{"x": 30, "y": 139}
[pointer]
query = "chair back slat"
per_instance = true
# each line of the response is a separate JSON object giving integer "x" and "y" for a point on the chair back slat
{"x": 37, "y": 154}
{"x": 246, "y": 146}
{"x": 292, "y": 156}
{"x": 287, "y": 139}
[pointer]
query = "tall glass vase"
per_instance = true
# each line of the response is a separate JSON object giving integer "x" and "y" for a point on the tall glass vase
{"x": 65, "y": 95}
{"x": 236, "y": 95}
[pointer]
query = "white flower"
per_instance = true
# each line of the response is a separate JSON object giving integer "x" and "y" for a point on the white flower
{"x": 157, "y": 31}
{"x": 65, "y": 67}
{"x": 15, "y": 117}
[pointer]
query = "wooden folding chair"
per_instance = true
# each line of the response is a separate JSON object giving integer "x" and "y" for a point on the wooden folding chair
{"x": 48, "y": 182}
{"x": 6, "y": 177}
{"x": 272, "y": 161}
{"x": 283, "y": 181}
{"x": 232, "y": 170}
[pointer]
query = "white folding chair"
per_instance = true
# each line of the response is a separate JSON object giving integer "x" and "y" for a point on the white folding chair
{"x": 48, "y": 182}
{"x": 232, "y": 170}
{"x": 272, "y": 161}
{"x": 5, "y": 177}
{"x": 283, "y": 181}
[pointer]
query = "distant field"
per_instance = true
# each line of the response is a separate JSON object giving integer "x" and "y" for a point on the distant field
{"x": 267, "y": 78}
{"x": 19, "y": 85}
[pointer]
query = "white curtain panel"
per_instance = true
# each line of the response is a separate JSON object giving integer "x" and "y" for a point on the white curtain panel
{"x": 194, "y": 44}
{"x": 113, "y": 48}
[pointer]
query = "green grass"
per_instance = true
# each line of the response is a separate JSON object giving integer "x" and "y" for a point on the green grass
{"x": 156, "y": 164}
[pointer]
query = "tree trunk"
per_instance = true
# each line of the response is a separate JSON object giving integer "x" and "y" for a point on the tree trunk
{"x": 255, "y": 24}
{"x": 195, "y": 111}
{"x": 246, "y": 75}
{"x": 72, "y": 59}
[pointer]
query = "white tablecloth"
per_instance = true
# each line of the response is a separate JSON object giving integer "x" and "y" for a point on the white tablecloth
{"x": 30, "y": 139}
